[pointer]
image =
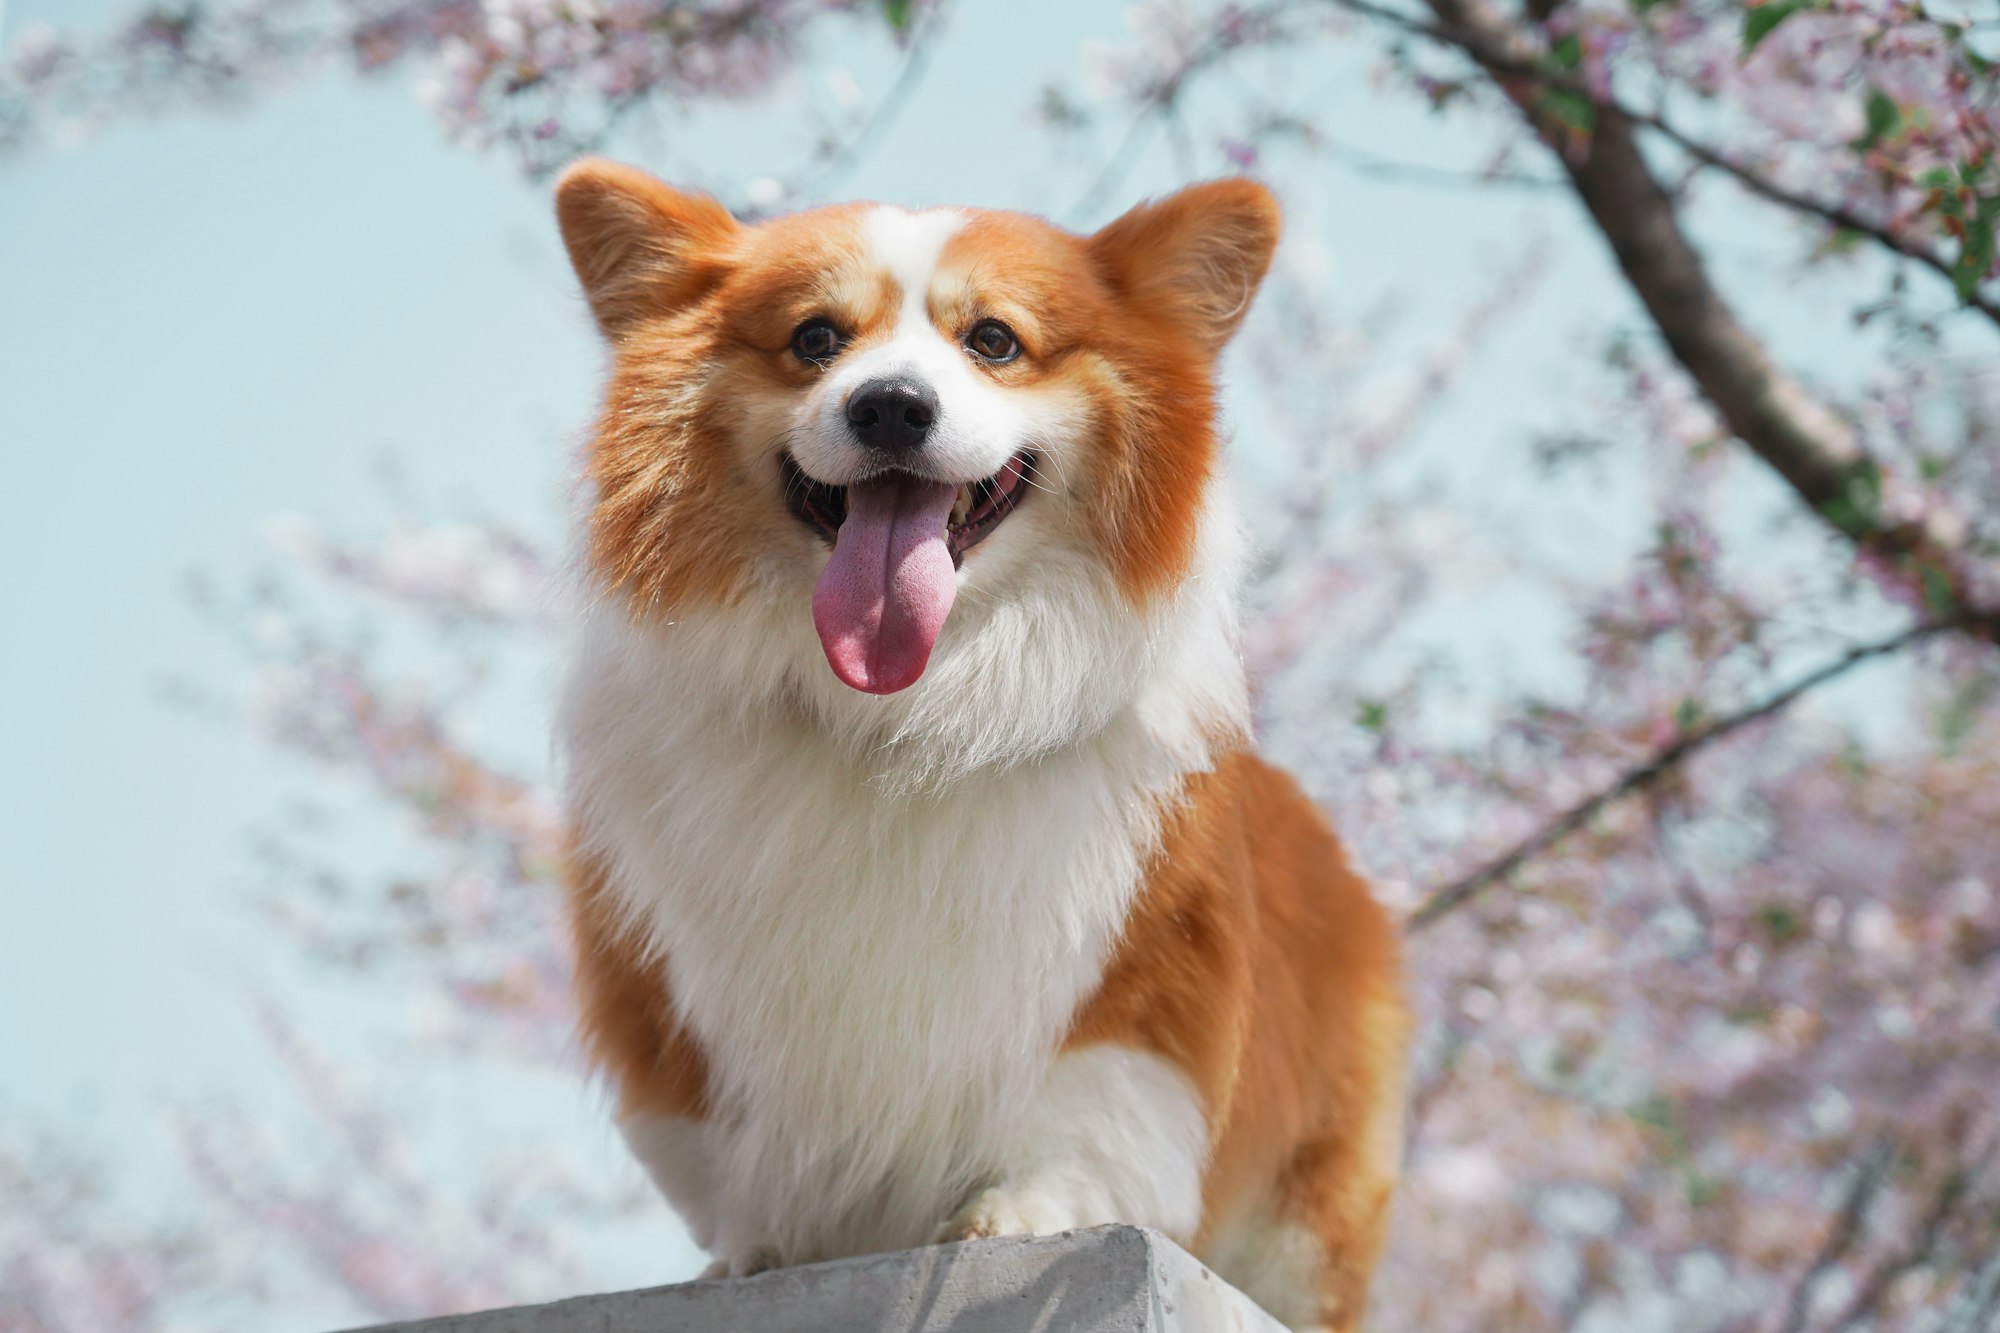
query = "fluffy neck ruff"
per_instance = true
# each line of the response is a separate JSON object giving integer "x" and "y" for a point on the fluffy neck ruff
{"x": 880, "y": 914}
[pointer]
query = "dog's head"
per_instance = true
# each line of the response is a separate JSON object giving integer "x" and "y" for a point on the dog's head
{"x": 862, "y": 417}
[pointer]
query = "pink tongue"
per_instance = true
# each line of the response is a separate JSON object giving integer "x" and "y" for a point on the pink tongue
{"x": 885, "y": 592}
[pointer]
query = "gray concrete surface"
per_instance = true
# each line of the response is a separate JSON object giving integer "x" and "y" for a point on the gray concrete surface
{"x": 1106, "y": 1280}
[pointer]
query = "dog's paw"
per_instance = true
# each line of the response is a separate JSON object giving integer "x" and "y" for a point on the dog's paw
{"x": 748, "y": 1264}
{"x": 1001, "y": 1211}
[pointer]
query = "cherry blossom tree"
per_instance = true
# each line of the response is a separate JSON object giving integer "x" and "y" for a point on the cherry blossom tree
{"x": 1704, "y": 927}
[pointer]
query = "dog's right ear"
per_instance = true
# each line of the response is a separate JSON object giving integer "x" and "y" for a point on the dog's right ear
{"x": 640, "y": 246}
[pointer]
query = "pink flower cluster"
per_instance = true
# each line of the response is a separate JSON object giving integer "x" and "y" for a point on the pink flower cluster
{"x": 543, "y": 77}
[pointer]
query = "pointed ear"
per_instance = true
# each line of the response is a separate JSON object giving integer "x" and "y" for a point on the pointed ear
{"x": 1194, "y": 258}
{"x": 639, "y": 245}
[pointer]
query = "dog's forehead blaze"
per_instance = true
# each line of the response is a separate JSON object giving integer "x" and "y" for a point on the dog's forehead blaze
{"x": 869, "y": 266}
{"x": 906, "y": 246}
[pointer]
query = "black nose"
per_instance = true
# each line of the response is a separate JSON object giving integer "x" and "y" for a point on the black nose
{"x": 893, "y": 415}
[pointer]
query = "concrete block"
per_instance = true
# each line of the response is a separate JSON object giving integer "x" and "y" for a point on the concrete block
{"x": 1114, "y": 1279}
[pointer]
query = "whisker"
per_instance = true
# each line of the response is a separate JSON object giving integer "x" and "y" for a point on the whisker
{"x": 1028, "y": 477}
{"x": 1035, "y": 460}
{"x": 795, "y": 477}
{"x": 1034, "y": 464}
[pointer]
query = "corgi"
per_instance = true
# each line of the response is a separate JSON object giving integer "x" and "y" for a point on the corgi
{"x": 924, "y": 882}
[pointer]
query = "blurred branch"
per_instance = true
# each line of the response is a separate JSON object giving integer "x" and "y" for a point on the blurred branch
{"x": 1663, "y": 762}
{"x": 1160, "y": 101}
{"x": 1503, "y": 54}
{"x": 841, "y": 157}
{"x": 1381, "y": 167}
{"x": 1977, "y": 1302}
{"x": 1846, "y": 1229}
{"x": 1834, "y": 214}
{"x": 1868, "y": 1298}
{"x": 1813, "y": 449}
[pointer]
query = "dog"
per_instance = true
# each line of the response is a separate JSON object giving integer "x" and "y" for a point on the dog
{"x": 924, "y": 883}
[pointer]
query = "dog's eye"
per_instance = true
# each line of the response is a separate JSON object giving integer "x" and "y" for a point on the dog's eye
{"x": 816, "y": 340}
{"x": 994, "y": 341}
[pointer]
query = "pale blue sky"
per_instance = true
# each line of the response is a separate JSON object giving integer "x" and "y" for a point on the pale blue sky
{"x": 212, "y": 318}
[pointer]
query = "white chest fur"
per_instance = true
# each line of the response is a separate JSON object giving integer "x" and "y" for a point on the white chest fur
{"x": 879, "y": 972}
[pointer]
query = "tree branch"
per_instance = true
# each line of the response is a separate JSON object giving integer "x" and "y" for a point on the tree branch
{"x": 1365, "y": 163}
{"x": 1160, "y": 102}
{"x": 1972, "y": 1310}
{"x": 836, "y": 162}
{"x": 1530, "y": 63}
{"x": 1814, "y": 450}
{"x": 1845, "y": 1231}
{"x": 1662, "y": 762}
{"x": 1944, "y": 1203}
{"x": 1844, "y": 218}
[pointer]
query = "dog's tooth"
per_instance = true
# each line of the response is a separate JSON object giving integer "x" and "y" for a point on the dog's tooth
{"x": 963, "y": 505}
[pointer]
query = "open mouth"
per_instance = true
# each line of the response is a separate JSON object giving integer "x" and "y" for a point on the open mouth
{"x": 981, "y": 505}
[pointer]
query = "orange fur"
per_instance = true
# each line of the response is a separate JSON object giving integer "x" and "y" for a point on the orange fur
{"x": 1252, "y": 959}
{"x": 1259, "y": 963}
{"x": 625, "y": 1007}
{"x": 711, "y": 307}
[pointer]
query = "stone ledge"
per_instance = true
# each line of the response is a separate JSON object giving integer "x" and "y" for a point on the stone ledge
{"x": 1114, "y": 1279}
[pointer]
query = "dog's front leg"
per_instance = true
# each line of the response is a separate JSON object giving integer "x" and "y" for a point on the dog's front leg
{"x": 1115, "y": 1135}
{"x": 679, "y": 1153}
{"x": 683, "y": 1155}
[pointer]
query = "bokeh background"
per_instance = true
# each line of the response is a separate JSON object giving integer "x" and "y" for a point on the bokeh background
{"x": 1635, "y": 620}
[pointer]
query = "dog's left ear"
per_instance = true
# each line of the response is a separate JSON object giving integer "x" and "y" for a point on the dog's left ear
{"x": 639, "y": 246}
{"x": 1194, "y": 258}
